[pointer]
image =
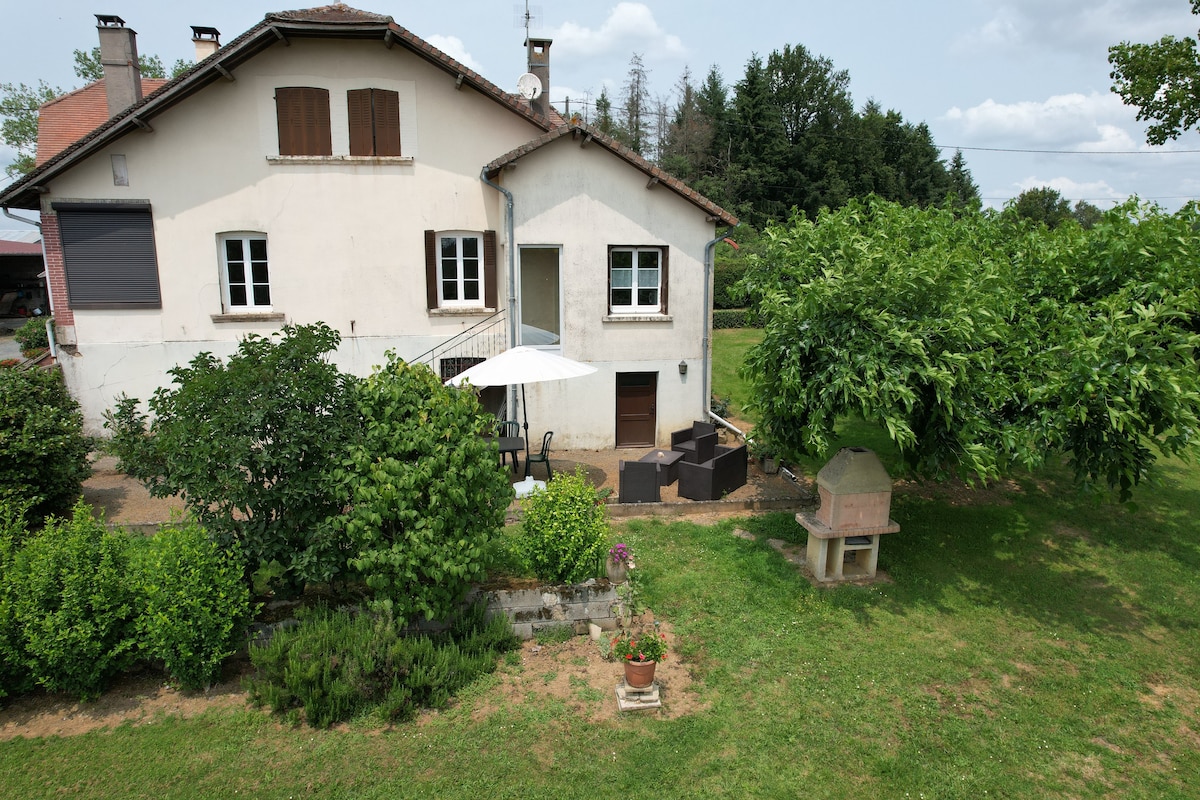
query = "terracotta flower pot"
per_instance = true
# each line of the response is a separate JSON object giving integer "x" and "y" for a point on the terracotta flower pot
{"x": 639, "y": 674}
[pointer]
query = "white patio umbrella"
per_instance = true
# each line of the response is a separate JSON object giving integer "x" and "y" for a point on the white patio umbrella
{"x": 521, "y": 365}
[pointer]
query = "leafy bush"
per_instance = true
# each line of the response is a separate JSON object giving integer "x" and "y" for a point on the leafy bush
{"x": 248, "y": 444}
{"x": 335, "y": 664}
{"x": 14, "y": 676}
{"x": 725, "y": 281}
{"x": 564, "y": 530}
{"x": 427, "y": 493}
{"x": 193, "y": 603}
{"x": 32, "y": 337}
{"x": 43, "y": 452}
{"x": 67, "y": 591}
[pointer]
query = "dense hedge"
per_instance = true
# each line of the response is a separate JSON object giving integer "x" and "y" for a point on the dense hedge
{"x": 736, "y": 318}
{"x": 725, "y": 277}
{"x": 80, "y": 603}
{"x": 43, "y": 452}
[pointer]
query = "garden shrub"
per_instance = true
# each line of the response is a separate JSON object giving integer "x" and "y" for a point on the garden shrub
{"x": 249, "y": 443}
{"x": 194, "y": 604}
{"x": 43, "y": 452}
{"x": 735, "y": 318}
{"x": 32, "y": 337}
{"x": 336, "y": 664}
{"x": 14, "y": 676}
{"x": 725, "y": 291}
{"x": 69, "y": 596}
{"x": 564, "y": 529}
{"x": 427, "y": 493}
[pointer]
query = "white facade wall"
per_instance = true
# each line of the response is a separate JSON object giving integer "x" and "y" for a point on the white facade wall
{"x": 346, "y": 237}
{"x": 583, "y": 200}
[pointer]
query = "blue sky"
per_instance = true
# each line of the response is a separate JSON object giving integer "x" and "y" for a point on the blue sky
{"x": 1008, "y": 81}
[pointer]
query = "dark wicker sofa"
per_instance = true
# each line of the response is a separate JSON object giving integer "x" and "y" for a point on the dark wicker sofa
{"x": 715, "y": 478}
{"x": 696, "y": 443}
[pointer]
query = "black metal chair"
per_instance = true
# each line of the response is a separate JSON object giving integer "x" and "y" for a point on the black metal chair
{"x": 543, "y": 457}
{"x": 509, "y": 427}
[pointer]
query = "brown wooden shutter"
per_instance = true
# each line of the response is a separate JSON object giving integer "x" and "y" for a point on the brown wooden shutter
{"x": 358, "y": 108}
{"x": 663, "y": 283}
{"x": 431, "y": 270}
{"x": 490, "y": 287}
{"x": 302, "y": 114}
{"x": 386, "y": 106}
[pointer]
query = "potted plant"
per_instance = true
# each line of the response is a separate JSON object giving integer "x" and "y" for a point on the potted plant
{"x": 639, "y": 653}
{"x": 768, "y": 454}
{"x": 620, "y": 561}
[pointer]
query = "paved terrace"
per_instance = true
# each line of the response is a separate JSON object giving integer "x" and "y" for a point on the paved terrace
{"x": 125, "y": 501}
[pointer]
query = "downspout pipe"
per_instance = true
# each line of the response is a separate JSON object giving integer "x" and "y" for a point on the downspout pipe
{"x": 710, "y": 250}
{"x": 510, "y": 237}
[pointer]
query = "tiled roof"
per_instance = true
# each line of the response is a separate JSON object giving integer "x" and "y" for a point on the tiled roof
{"x": 65, "y": 120}
{"x": 588, "y": 135}
{"x": 9, "y": 248}
{"x": 333, "y": 21}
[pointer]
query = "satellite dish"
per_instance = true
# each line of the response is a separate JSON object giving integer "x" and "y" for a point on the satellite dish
{"x": 529, "y": 86}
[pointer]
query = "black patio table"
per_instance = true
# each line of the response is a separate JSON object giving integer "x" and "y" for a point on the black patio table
{"x": 509, "y": 444}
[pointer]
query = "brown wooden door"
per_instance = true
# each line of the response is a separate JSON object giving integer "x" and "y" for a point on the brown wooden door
{"x": 636, "y": 418}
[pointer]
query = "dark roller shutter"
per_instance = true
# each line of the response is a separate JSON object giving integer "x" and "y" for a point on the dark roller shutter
{"x": 108, "y": 253}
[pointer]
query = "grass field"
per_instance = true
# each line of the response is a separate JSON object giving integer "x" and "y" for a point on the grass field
{"x": 1032, "y": 643}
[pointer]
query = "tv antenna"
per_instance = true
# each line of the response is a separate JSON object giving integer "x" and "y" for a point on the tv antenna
{"x": 527, "y": 17}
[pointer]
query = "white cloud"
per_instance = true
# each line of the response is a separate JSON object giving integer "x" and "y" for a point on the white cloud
{"x": 1076, "y": 25}
{"x": 1094, "y": 122}
{"x": 454, "y": 47}
{"x": 629, "y": 28}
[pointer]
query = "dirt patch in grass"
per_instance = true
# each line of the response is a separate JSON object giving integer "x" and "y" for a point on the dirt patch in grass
{"x": 575, "y": 673}
{"x": 572, "y": 672}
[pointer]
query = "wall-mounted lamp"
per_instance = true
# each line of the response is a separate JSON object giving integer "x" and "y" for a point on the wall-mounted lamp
{"x": 683, "y": 368}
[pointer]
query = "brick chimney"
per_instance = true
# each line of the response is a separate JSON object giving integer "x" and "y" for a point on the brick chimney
{"x": 206, "y": 40}
{"x": 118, "y": 56}
{"x": 538, "y": 51}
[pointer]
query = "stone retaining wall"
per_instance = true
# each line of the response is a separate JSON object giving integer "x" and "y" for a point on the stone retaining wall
{"x": 571, "y": 605}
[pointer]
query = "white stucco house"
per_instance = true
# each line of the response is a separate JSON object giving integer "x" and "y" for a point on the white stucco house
{"x": 328, "y": 165}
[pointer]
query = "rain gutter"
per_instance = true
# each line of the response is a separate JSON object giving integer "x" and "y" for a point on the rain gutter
{"x": 710, "y": 250}
{"x": 512, "y": 283}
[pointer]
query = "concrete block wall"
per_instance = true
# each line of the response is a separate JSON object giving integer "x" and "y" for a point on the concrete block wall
{"x": 571, "y": 605}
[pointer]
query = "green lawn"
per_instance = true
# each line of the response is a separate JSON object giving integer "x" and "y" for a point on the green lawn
{"x": 1033, "y": 643}
{"x": 729, "y": 350}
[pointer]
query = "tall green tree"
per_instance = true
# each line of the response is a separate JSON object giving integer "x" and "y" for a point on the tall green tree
{"x": 1162, "y": 80}
{"x": 636, "y": 123}
{"x": 1040, "y": 204}
{"x": 604, "y": 116}
{"x": 962, "y": 186}
{"x": 983, "y": 343}
{"x": 19, "y": 104}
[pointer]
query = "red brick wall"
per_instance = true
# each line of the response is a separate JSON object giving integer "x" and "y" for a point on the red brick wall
{"x": 56, "y": 273}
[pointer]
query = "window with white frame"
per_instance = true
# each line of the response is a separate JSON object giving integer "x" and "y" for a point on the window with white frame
{"x": 245, "y": 278}
{"x": 460, "y": 269}
{"x": 637, "y": 280}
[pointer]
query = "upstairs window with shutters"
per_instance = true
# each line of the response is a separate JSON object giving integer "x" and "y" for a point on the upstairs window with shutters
{"x": 303, "y": 117}
{"x": 374, "y": 118}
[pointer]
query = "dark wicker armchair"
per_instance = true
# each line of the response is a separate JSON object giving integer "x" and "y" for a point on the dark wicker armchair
{"x": 697, "y": 443}
{"x": 714, "y": 478}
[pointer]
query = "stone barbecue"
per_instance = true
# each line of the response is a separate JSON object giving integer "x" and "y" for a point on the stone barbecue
{"x": 856, "y": 499}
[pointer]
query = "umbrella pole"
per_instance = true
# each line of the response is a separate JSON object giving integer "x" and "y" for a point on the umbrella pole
{"x": 525, "y": 412}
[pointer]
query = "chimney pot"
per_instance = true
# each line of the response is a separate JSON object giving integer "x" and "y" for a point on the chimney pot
{"x": 119, "y": 58}
{"x": 206, "y": 40}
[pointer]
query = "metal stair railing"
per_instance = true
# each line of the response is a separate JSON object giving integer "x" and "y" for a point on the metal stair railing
{"x": 484, "y": 339}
